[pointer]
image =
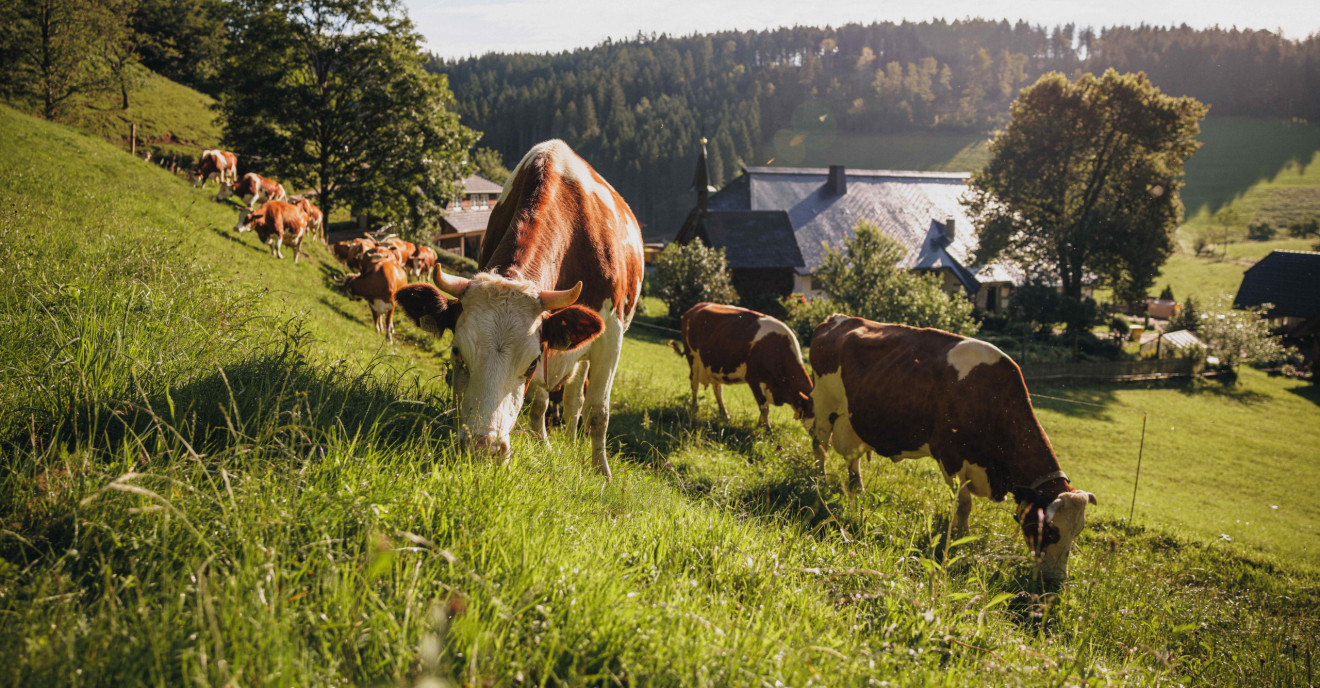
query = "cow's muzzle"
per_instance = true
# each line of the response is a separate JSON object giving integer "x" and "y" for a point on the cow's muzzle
{"x": 490, "y": 443}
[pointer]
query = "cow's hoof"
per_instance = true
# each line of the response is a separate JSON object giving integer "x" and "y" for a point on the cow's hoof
{"x": 854, "y": 484}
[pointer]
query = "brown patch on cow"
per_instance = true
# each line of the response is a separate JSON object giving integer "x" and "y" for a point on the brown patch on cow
{"x": 551, "y": 231}
{"x": 902, "y": 394}
{"x": 428, "y": 308}
{"x": 569, "y": 328}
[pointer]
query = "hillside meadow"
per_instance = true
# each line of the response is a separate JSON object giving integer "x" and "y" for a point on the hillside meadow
{"x": 217, "y": 473}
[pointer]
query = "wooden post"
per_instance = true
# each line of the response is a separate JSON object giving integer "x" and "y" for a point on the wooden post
{"x": 1137, "y": 478}
{"x": 132, "y": 139}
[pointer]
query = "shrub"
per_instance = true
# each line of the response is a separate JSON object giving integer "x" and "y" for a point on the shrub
{"x": 1119, "y": 327}
{"x": 1186, "y": 318}
{"x": 1167, "y": 294}
{"x": 1239, "y": 335}
{"x": 803, "y": 315}
{"x": 1306, "y": 228}
{"x": 455, "y": 264}
{"x": 1260, "y": 231}
{"x": 1200, "y": 244}
{"x": 686, "y": 275}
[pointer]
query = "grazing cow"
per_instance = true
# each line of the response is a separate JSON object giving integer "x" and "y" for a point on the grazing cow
{"x": 350, "y": 250}
{"x": 378, "y": 283}
{"x": 727, "y": 345}
{"x": 907, "y": 392}
{"x": 276, "y": 224}
{"x": 402, "y": 250}
{"x": 421, "y": 262}
{"x": 216, "y": 163}
{"x": 254, "y": 189}
{"x": 315, "y": 218}
{"x": 559, "y": 281}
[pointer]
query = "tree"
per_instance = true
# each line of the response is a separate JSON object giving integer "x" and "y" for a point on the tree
{"x": 1187, "y": 318}
{"x": 183, "y": 40}
{"x": 334, "y": 95}
{"x": 1085, "y": 178}
{"x": 864, "y": 279}
{"x": 54, "y": 50}
{"x": 1239, "y": 335}
{"x": 490, "y": 165}
{"x": 686, "y": 275}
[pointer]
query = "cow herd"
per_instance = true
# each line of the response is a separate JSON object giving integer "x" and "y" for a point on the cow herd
{"x": 558, "y": 282}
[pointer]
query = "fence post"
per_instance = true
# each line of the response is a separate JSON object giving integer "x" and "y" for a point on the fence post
{"x": 132, "y": 138}
{"x": 1137, "y": 478}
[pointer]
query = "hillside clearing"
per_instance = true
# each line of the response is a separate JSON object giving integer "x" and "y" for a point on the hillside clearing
{"x": 219, "y": 474}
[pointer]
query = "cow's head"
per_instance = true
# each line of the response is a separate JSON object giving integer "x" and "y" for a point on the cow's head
{"x": 428, "y": 308}
{"x": 502, "y": 328}
{"x": 1049, "y": 525}
{"x": 247, "y": 218}
{"x": 803, "y": 409}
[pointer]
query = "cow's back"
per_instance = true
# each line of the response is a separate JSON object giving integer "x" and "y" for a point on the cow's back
{"x": 719, "y": 338}
{"x": 908, "y": 389}
{"x": 558, "y": 222}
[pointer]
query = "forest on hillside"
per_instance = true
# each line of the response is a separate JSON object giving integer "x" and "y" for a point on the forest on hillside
{"x": 636, "y": 109}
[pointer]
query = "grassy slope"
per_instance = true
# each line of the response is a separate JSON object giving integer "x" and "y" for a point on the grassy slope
{"x": 317, "y": 526}
{"x": 171, "y": 118}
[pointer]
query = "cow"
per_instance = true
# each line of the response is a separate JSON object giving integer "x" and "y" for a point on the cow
{"x": 218, "y": 164}
{"x": 378, "y": 283}
{"x": 254, "y": 189}
{"x": 349, "y": 251}
{"x": 727, "y": 345}
{"x": 315, "y": 218}
{"x": 906, "y": 392}
{"x": 276, "y": 224}
{"x": 421, "y": 262}
{"x": 402, "y": 250}
{"x": 558, "y": 282}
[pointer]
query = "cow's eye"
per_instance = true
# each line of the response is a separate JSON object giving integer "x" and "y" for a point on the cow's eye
{"x": 532, "y": 368}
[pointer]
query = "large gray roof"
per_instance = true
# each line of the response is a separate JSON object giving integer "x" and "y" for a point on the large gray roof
{"x": 764, "y": 238}
{"x": 476, "y": 183}
{"x": 464, "y": 221}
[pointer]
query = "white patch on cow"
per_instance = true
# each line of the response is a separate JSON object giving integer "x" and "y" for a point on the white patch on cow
{"x": 768, "y": 325}
{"x": 829, "y": 398}
{"x": 971, "y": 475}
{"x": 708, "y": 376}
{"x": 380, "y": 306}
{"x": 969, "y": 353}
{"x": 765, "y": 392}
{"x": 919, "y": 453}
{"x": 1069, "y": 519}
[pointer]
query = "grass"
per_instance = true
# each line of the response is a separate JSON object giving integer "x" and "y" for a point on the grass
{"x": 172, "y": 119}
{"x": 920, "y": 150}
{"x": 214, "y": 473}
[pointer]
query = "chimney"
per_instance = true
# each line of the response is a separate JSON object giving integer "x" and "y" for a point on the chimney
{"x": 949, "y": 230}
{"x": 838, "y": 180}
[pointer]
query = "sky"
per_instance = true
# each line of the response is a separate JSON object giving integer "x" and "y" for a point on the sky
{"x": 463, "y": 28}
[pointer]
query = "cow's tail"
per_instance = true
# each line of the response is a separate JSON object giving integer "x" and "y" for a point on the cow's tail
{"x": 678, "y": 348}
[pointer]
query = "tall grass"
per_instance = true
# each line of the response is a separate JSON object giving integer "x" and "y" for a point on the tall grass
{"x": 200, "y": 488}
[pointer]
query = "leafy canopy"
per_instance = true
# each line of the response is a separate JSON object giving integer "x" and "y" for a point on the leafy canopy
{"x": 1085, "y": 179}
{"x": 864, "y": 279}
{"x": 688, "y": 274}
{"x": 333, "y": 94}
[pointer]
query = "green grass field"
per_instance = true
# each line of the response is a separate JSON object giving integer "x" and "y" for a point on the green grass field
{"x": 216, "y": 473}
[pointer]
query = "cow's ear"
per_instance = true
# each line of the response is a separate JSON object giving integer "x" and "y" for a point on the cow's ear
{"x": 1024, "y": 495}
{"x": 428, "y": 308}
{"x": 569, "y": 328}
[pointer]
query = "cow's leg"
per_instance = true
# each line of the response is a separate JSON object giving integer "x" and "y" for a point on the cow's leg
{"x": 855, "y": 473}
{"x": 604, "y": 360}
{"x": 279, "y": 247}
{"x": 696, "y": 388}
{"x": 719, "y": 398}
{"x": 964, "y": 508}
{"x": 761, "y": 402}
{"x": 574, "y": 390}
{"x": 389, "y": 317}
{"x": 541, "y": 404}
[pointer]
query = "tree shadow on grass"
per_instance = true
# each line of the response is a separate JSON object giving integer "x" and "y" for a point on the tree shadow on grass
{"x": 1090, "y": 402}
{"x": 1224, "y": 389}
{"x": 231, "y": 236}
{"x": 1309, "y": 392}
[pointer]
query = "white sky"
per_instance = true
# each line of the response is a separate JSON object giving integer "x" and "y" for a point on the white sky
{"x": 461, "y": 28}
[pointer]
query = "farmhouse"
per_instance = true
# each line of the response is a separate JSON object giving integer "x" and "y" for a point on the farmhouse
{"x": 464, "y": 221}
{"x": 774, "y": 223}
{"x": 1290, "y": 282}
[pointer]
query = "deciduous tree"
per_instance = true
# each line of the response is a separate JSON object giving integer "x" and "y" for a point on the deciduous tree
{"x": 332, "y": 93}
{"x": 1084, "y": 180}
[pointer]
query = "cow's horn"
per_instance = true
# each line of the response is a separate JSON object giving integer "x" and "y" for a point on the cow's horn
{"x": 551, "y": 300}
{"x": 450, "y": 284}
{"x": 1053, "y": 509}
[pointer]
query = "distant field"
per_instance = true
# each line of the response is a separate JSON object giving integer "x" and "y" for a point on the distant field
{"x": 936, "y": 151}
{"x": 1247, "y": 162}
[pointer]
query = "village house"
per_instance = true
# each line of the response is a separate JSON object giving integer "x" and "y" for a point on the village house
{"x": 774, "y": 223}
{"x": 465, "y": 218}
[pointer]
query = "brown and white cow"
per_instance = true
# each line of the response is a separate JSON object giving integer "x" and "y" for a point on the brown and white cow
{"x": 276, "y": 223}
{"x": 218, "y": 164}
{"x": 906, "y": 392}
{"x": 727, "y": 345}
{"x": 350, "y": 251}
{"x": 402, "y": 250}
{"x": 422, "y": 262}
{"x": 254, "y": 189}
{"x": 559, "y": 279}
{"x": 378, "y": 283}
{"x": 315, "y": 218}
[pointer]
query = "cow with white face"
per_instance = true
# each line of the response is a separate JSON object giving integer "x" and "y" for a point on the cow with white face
{"x": 559, "y": 279}
{"x": 906, "y": 392}
{"x": 254, "y": 189}
{"x": 216, "y": 164}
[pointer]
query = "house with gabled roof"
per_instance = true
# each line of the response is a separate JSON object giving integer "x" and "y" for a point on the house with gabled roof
{"x": 774, "y": 224}
{"x": 1287, "y": 280}
{"x": 465, "y": 218}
